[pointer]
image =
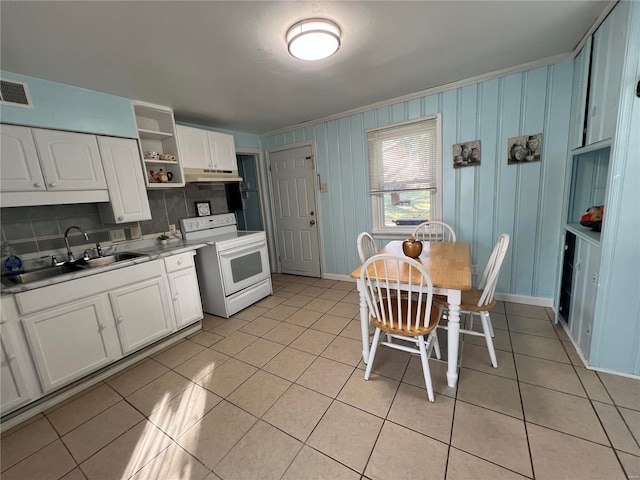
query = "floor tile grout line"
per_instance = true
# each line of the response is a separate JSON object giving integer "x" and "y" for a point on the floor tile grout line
{"x": 524, "y": 413}
{"x": 595, "y": 410}
{"x": 4, "y": 470}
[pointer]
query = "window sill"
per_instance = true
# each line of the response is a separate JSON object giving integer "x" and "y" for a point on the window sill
{"x": 395, "y": 235}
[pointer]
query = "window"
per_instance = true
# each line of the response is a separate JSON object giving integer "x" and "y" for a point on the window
{"x": 405, "y": 175}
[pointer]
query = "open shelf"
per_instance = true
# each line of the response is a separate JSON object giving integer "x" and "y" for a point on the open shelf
{"x": 153, "y": 135}
{"x": 157, "y": 133}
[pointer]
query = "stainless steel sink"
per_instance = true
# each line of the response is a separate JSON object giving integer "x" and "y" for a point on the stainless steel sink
{"x": 50, "y": 272}
{"x": 40, "y": 274}
{"x": 101, "y": 261}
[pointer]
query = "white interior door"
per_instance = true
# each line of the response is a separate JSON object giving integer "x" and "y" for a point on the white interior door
{"x": 295, "y": 212}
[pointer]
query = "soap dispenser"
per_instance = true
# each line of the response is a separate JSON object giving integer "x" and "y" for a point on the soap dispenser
{"x": 12, "y": 262}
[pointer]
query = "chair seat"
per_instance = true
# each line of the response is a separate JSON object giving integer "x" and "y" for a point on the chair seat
{"x": 468, "y": 301}
{"x": 411, "y": 329}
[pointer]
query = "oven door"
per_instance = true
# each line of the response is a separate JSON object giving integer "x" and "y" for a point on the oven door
{"x": 243, "y": 266}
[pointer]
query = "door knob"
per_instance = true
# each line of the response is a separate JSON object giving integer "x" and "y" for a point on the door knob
{"x": 312, "y": 222}
{"x": 312, "y": 213}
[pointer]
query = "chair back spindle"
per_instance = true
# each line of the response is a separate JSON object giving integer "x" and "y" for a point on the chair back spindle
{"x": 434, "y": 231}
{"x": 489, "y": 279}
{"x": 366, "y": 246}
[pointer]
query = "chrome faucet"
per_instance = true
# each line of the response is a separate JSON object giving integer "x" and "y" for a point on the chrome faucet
{"x": 70, "y": 257}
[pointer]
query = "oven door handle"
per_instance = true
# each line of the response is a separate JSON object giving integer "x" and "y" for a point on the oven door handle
{"x": 237, "y": 252}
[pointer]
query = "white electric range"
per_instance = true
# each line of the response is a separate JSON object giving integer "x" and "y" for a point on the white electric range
{"x": 233, "y": 269}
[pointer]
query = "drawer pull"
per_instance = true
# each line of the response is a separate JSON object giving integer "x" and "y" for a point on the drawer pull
{"x": 181, "y": 261}
{"x": 37, "y": 184}
{"x": 175, "y": 297}
{"x": 120, "y": 319}
{"x": 120, "y": 218}
{"x": 52, "y": 184}
{"x": 101, "y": 327}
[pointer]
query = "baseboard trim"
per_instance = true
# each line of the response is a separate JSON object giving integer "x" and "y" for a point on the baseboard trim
{"x": 538, "y": 301}
{"x": 335, "y": 276}
{"x": 48, "y": 401}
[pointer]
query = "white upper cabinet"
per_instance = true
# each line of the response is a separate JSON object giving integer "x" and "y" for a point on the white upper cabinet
{"x": 70, "y": 161}
{"x": 194, "y": 145}
{"x": 127, "y": 192}
{"x": 606, "y": 75}
{"x": 204, "y": 149}
{"x": 19, "y": 170}
{"x": 223, "y": 152}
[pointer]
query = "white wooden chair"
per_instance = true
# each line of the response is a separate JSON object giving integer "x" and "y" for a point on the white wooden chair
{"x": 411, "y": 316}
{"x": 480, "y": 301}
{"x": 434, "y": 231}
{"x": 366, "y": 246}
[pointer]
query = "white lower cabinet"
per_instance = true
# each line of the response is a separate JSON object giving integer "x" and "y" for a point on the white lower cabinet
{"x": 142, "y": 314}
{"x": 185, "y": 293}
{"x": 74, "y": 328}
{"x": 585, "y": 288}
{"x": 71, "y": 341}
{"x": 13, "y": 391}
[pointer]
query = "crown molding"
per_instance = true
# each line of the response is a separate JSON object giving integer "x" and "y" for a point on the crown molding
{"x": 459, "y": 84}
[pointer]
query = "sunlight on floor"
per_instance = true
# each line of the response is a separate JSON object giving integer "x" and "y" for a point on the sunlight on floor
{"x": 174, "y": 417}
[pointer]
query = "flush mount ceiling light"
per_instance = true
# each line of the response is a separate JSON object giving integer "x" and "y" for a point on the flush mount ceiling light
{"x": 313, "y": 39}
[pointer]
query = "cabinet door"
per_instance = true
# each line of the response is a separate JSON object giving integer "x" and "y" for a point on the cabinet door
{"x": 187, "y": 305}
{"x": 13, "y": 392}
{"x": 194, "y": 147}
{"x": 584, "y": 287}
{"x": 142, "y": 314}
{"x": 122, "y": 168}
{"x": 223, "y": 151}
{"x": 606, "y": 74}
{"x": 19, "y": 169}
{"x": 71, "y": 341}
{"x": 70, "y": 161}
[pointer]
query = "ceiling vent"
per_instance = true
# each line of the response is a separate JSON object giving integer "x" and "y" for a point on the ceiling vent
{"x": 14, "y": 93}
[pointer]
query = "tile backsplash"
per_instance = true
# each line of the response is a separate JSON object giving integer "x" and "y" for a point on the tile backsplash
{"x": 41, "y": 228}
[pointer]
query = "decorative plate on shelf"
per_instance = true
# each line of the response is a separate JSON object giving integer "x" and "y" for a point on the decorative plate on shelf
{"x": 595, "y": 226}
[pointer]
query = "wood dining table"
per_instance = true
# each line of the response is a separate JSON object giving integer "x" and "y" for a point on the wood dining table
{"x": 449, "y": 266}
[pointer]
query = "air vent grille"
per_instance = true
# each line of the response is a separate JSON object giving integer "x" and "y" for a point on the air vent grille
{"x": 14, "y": 93}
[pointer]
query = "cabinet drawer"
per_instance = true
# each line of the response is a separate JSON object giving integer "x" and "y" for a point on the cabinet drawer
{"x": 179, "y": 261}
{"x": 60, "y": 293}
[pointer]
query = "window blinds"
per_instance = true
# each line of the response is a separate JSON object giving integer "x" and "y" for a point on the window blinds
{"x": 403, "y": 157}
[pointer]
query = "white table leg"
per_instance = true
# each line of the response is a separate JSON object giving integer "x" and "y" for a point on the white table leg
{"x": 364, "y": 323}
{"x": 453, "y": 337}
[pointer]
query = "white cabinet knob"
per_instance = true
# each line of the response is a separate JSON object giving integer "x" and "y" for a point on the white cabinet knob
{"x": 175, "y": 297}
{"x": 11, "y": 357}
{"x": 101, "y": 326}
{"x": 181, "y": 261}
{"x": 120, "y": 218}
{"x": 52, "y": 184}
{"x": 37, "y": 184}
{"x": 120, "y": 319}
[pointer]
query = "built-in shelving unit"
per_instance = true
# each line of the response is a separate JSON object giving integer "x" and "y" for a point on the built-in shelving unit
{"x": 157, "y": 133}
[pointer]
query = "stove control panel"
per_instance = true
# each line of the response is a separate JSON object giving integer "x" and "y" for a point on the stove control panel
{"x": 206, "y": 223}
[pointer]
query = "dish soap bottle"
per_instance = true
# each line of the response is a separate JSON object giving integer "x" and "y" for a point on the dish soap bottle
{"x": 12, "y": 262}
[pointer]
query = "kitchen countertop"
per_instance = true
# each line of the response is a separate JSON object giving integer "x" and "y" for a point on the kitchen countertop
{"x": 149, "y": 249}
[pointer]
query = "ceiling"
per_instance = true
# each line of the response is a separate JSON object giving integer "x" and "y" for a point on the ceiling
{"x": 225, "y": 64}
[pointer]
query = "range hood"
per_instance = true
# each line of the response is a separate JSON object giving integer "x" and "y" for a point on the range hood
{"x": 202, "y": 175}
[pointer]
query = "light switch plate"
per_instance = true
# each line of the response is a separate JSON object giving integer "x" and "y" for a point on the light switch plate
{"x": 117, "y": 235}
{"x": 324, "y": 187}
{"x": 136, "y": 232}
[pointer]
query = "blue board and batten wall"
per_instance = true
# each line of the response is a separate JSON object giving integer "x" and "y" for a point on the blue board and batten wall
{"x": 480, "y": 202}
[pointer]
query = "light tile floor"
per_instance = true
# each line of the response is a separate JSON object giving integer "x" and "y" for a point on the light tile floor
{"x": 277, "y": 391}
